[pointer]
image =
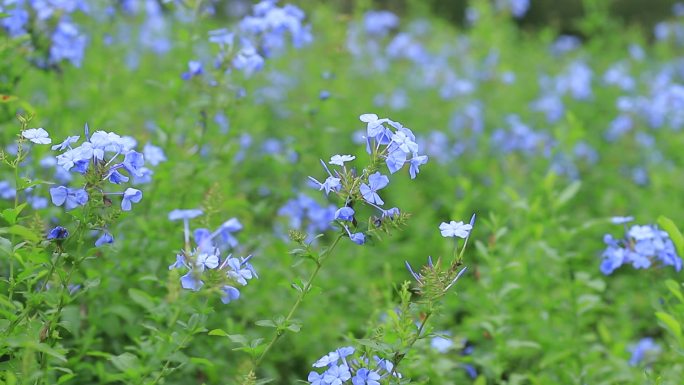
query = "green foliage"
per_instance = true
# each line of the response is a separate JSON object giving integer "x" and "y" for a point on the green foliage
{"x": 532, "y": 307}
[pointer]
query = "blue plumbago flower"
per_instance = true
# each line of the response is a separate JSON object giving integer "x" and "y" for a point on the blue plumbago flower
{"x": 331, "y": 183}
{"x": 104, "y": 239}
{"x": 66, "y": 143}
{"x": 229, "y": 294}
{"x": 306, "y": 214}
{"x": 376, "y": 182}
{"x": 70, "y": 198}
{"x": 248, "y": 59}
{"x": 641, "y": 247}
{"x": 6, "y": 190}
{"x": 37, "y": 135}
{"x": 340, "y": 368}
{"x": 130, "y": 196}
{"x": 339, "y": 160}
{"x": 58, "y": 233}
{"x": 518, "y": 8}
{"x": 324, "y": 95}
{"x": 455, "y": 229}
{"x": 153, "y": 155}
{"x": 194, "y": 69}
{"x": 67, "y": 43}
{"x": 400, "y": 143}
{"x": 184, "y": 214}
{"x": 621, "y": 220}
{"x": 645, "y": 351}
{"x": 207, "y": 256}
{"x": 344, "y": 214}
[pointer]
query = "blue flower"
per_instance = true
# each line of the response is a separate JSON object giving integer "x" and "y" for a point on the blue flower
{"x": 455, "y": 229}
{"x": 229, "y": 294}
{"x": 67, "y": 44}
{"x": 206, "y": 260}
{"x": 133, "y": 162}
{"x": 58, "y": 233}
{"x": 337, "y": 375}
{"x": 395, "y": 160}
{"x": 105, "y": 238}
{"x": 194, "y": 69}
{"x": 153, "y": 154}
{"x": 37, "y": 135}
{"x": 330, "y": 184}
{"x": 366, "y": 377}
{"x": 341, "y": 159}
{"x": 130, "y": 195}
{"x": 190, "y": 282}
{"x": 177, "y": 214}
{"x": 621, "y": 220}
{"x": 248, "y": 59}
{"x": 646, "y": 350}
{"x": 344, "y": 214}
{"x": 70, "y": 198}
{"x": 66, "y": 143}
{"x": 237, "y": 271}
{"x": 180, "y": 262}
{"x": 316, "y": 379}
{"x": 416, "y": 162}
{"x": 376, "y": 182}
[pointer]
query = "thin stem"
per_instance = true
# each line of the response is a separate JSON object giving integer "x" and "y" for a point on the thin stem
{"x": 412, "y": 342}
{"x": 305, "y": 290}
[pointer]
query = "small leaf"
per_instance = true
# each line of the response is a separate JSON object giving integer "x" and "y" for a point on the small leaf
{"x": 23, "y": 232}
{"x": 675, "y": 289}
{"x": 125, "y": 362}
{"x": 218, "y": 332}
{"x": 11, "y": 215}
{"x": 677, "y": 238}
{"x": 671, "y": 323}
{"x": 568, "y": 193}
{"x": 294, "y": 327}
{"x": 238, "y": 339}
{"x": 142, "y": 299}
{"x": 266, "y": 323}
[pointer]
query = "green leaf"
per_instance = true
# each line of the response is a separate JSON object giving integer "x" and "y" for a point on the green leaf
{"x": 266, "y": 323}
{"x": 125, "y": 362}
{"x": 218, "y": 332}
{"x": 11, "y": 215}
{"x": 671, "y": 323}
{"x": 675, "y": 289}
{"x": 568, "y": 193}
{"x": 65, "y": 378}
{"x": 677, "y": 238}
{"x": 294, "y": 327}
{"x": 142, "y": 299}
{"x": 238, "y": 339}
{"x": 21, "y": 231}
{"x": 5, "y": 246}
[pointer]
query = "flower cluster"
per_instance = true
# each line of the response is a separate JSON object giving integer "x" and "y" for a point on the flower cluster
{"x": 383, "y": 144}
{"x": 433, "y": 280}
{"x": 641, "y": 247}
{"x": 342, "y": 369}
{"x": 260, "y": 35}
{"x": 398, "y": 141}
{"x": 101, "y": 157}
{"x": 52, "y": 18}
{"x": 205, "y": 260}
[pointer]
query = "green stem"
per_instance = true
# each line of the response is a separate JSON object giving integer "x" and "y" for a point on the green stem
{"x": 412, "y": 342}
{"x": 305, "y": 290}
